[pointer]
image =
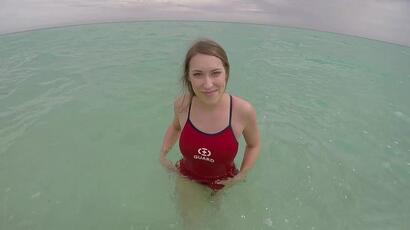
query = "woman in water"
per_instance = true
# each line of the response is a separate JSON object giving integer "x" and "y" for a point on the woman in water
{"x": 208, "y": 122}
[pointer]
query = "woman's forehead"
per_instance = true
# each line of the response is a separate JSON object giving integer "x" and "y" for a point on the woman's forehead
{"x": 205, "y": 62}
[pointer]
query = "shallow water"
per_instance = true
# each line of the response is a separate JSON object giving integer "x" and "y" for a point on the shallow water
{"x": 83, "y": 111}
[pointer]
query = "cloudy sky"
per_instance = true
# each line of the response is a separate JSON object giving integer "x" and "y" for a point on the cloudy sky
{"x": 387, "y": 20}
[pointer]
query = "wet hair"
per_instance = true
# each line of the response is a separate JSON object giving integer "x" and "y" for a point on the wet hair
{"x": 206, "y": 47}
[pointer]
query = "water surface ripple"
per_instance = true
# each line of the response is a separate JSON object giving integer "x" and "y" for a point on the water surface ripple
{"x": 83, "y": 111}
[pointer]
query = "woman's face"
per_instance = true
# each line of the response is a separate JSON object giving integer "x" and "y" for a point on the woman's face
{"x": 207, "y": 77}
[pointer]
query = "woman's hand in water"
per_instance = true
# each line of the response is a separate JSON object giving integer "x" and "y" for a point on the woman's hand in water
{"x": 168, "y": 164}
{"x": 231, "y": 181}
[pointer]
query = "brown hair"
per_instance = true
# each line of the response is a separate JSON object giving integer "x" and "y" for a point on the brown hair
{"x": 207, "y": 47}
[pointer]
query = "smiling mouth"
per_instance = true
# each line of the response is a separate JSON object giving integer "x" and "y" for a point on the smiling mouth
{"x": 210, "y": 92}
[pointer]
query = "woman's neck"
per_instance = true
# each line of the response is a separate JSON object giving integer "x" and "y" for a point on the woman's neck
{"x": 211, "y": 107}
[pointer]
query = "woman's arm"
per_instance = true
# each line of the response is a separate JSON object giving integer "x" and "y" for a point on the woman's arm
{"x": 252, "y": 149}
{"x": 170, "y": 138}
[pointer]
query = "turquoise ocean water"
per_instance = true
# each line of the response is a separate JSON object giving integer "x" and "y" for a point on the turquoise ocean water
{"x": 83, "y": 110}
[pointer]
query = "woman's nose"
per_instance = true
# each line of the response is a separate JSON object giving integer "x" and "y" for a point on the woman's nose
{"x": 208, "y": 81}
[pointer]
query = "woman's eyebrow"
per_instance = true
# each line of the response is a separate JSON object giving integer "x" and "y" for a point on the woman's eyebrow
{"x": 212, "y": 70}
{"x": 196, "y": 70}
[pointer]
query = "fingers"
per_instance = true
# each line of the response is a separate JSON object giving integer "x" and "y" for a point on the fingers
{"x": 218, "y": 182}
{"x": 223, "y": 182}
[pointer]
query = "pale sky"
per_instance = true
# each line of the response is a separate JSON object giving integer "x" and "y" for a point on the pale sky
{"x": 386, "y": 20}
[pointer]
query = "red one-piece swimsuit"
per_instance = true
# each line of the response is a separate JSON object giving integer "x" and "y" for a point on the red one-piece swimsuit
{"x": 208, "y": 157}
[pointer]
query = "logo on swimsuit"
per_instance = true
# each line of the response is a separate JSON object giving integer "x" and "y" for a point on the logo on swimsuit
{"x": 204, "y": 154}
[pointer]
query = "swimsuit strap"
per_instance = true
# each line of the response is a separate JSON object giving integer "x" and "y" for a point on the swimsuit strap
{"x": 189, "y": 110}
{"x": 230, "y": 109}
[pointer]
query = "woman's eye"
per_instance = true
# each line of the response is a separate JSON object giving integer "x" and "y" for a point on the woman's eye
{"x": 216, "y": 73}
{"x": 196, "y": 74}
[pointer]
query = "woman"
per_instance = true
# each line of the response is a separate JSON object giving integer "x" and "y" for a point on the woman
{"x": 208, "y": 122}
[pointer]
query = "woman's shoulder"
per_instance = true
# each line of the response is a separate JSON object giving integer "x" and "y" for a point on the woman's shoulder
{"x": 181, "y": 103}
{"x": 242, "y": 105}
{"x": 243, "y": 109}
